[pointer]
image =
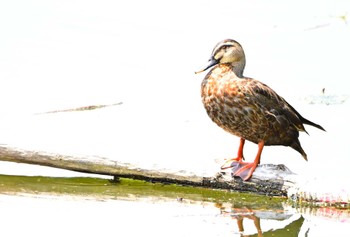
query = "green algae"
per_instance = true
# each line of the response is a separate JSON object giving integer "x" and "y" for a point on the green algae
{"x": 100, "y": 188}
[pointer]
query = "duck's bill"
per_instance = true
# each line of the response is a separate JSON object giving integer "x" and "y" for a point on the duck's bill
{"x": 212, "y": 62}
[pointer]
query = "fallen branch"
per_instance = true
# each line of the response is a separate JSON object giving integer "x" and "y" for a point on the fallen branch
{"x": 264, "y": 180}
{"x": 84, "y": 108}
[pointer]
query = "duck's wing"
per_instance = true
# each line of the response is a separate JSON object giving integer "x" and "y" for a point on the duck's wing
{"x": 277, "y": 105}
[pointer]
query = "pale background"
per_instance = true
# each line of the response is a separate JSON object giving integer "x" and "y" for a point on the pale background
{"x": 65, "y": 54}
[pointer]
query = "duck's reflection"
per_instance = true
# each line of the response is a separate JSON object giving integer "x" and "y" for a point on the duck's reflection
{"x": 281, "y": 223}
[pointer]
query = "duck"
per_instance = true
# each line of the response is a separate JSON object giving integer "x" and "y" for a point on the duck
{"x": 248, "y": 108}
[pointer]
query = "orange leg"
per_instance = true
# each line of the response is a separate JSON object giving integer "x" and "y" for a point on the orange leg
{"x": 245, "y": 170}
{"x": 228, "y": 163}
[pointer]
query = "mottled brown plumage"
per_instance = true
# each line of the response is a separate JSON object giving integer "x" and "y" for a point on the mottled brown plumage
{"x": 248, "y": 108}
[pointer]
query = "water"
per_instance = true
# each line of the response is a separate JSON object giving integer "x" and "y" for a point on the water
{"x": 63, "y": 54}
{"x": 43, "y": 206}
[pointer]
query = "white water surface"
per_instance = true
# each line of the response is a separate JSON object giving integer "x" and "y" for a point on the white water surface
{"x": 64, "y": 54}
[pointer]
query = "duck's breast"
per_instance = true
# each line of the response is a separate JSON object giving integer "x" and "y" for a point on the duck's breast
{"x": 234, "y": 105}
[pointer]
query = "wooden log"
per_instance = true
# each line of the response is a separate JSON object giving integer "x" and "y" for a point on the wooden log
{"x": 272, "y": 180}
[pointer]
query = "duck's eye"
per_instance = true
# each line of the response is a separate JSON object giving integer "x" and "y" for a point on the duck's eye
{"x": 224, "y": 47}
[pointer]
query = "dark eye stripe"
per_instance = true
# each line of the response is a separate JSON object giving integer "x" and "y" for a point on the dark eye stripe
{"x": 224, "y": 45}
{"x": 223, "y": 48}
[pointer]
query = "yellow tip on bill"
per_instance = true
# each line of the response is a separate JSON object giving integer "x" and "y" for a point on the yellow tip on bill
{"x": 199, "y": 71}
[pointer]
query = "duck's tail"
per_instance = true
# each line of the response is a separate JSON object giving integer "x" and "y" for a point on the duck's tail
{"x": 296, "y": 146}
{"x": 308, "y": 122}
{"x": 304, "y": 120}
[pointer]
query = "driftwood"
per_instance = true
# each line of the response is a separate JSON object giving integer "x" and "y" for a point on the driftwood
{"x": 274, "y": 180}
{"x": 83, "y": 108}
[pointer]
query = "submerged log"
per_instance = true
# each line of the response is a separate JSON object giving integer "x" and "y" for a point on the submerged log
{"x": 272, "y": 180}
{"x": 269, "y": 180}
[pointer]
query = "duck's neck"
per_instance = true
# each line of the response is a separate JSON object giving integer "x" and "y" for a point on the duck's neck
{"x": 238, "y": 68}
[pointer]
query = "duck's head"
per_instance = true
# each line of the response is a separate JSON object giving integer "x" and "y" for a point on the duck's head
{"x": 229, "y": 52}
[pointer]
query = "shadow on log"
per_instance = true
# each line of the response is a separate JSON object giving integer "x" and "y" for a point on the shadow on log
{"x": 271, "y": 180}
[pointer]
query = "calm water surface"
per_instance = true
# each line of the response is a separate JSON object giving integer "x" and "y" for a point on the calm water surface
{"x": 42, "y": 206}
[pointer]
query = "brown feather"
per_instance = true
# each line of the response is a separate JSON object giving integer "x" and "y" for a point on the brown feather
{"x": 246, "y": 107}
